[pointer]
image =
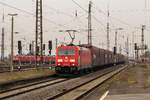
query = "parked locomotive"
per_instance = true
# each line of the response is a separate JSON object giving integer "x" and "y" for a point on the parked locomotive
{"x": 72, "y": 59}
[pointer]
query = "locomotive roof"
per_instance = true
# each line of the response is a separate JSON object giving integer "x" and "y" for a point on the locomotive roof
{"x": 75, "y": 46}
{"x": 89, "y": 46}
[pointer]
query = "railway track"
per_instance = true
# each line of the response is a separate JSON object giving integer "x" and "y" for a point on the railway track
{"x": 76, "y": 93}
{"x": 16, "y": 68}
{"x": 4, "y": 68}
{"x": 61, "y": 88}
{"x": 27, "y": 85}
{"x": 10, "y": 85}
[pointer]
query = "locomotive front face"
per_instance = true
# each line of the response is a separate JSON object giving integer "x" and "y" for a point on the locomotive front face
{"x": 66, "y": 59}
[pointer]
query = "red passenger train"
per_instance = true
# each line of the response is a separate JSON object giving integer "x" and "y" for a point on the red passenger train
{"x": 72, "y": 59}
{"x": 32, "y": 59}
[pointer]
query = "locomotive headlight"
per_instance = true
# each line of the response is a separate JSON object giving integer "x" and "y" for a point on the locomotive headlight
{"x": 72, "y": 60}
{"x": 59, "y": 60}
{"x": 59, "y": 64}
{"x": 73, "y": 64}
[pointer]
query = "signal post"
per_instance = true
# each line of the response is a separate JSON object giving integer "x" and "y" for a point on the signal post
{"x": 12, "y": 40}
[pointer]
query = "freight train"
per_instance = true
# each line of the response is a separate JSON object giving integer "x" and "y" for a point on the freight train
{"x": 32, "y": 59}
{"x": 73, "y": 59}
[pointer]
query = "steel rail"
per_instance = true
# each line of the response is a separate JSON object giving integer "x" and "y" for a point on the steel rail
{"x": 75, "y": 91}
{"x": 30, "y": 87}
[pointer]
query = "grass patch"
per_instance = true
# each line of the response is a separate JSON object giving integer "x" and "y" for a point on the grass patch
{"x": 148, "y": 80}
{"x": 146, "y": 71}
{"x": 144, "y": 66}
{"x": 147, "y": 75}
{"x": 128, "y": 78}
{"x": 147, "y": 85}
{"x": 4, "y": 77}
{"x": 132, "y": 80}
{"x": 125, "y": 78}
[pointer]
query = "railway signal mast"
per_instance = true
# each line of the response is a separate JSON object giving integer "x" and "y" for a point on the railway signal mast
{"x": 39, "y": 31}
{"x": 56, "y": 43}
{"x": 116, "y": 39}
{"x": 89, "y": 24}
{"x": 127, "y": 48}
{"x": 2, "y": 47}
{"x": 12, "y": 40}
{"x": 142, "y": 40}
{"x": 108, "y": 41}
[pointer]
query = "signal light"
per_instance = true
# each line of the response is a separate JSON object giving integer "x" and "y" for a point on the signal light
{"x": 50, "y": 45}
{"x": 30, "y": 47}
{"x": 146, "y": 47}
{"x": 43, "y": 46}
{"x": 19, "y": 45}
{"x": 135, "y": 46}
{"x": 37, "y": 50}
{"x": 115, "y": 50}
{"x": 19, "y": 51}
{"x": 50, "y": 52}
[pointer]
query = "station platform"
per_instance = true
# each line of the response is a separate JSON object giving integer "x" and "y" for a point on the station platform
{"x": 131, "y": 84}
{"x": 129, "y": 97}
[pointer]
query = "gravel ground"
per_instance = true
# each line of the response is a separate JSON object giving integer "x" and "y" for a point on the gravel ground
{"x": 134, "y": 80}
{"x": 42, "y": 94}
{"x": 11, "y": 76}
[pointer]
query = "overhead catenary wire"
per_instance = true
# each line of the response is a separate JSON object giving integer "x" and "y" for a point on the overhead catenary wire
{"x": 114, "y": 18}
{"x": 57, "y": 11}
{"x": 94, "y": 17}
{"x": 122, "y": 22}
{"x": 101, "y": 11}
{"x": 29, "y": 13}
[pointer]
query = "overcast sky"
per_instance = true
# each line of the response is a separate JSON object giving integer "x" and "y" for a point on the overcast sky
{"x": 60, "y": 15}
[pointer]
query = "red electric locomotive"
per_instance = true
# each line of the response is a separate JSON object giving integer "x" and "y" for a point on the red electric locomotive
{"x": 71, "y": 59}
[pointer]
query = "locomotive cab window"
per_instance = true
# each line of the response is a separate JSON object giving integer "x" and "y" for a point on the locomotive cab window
{"x": 68, "y": 52}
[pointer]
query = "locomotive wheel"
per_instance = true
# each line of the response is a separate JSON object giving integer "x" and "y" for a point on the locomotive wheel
{"x": 91, "y": 70}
